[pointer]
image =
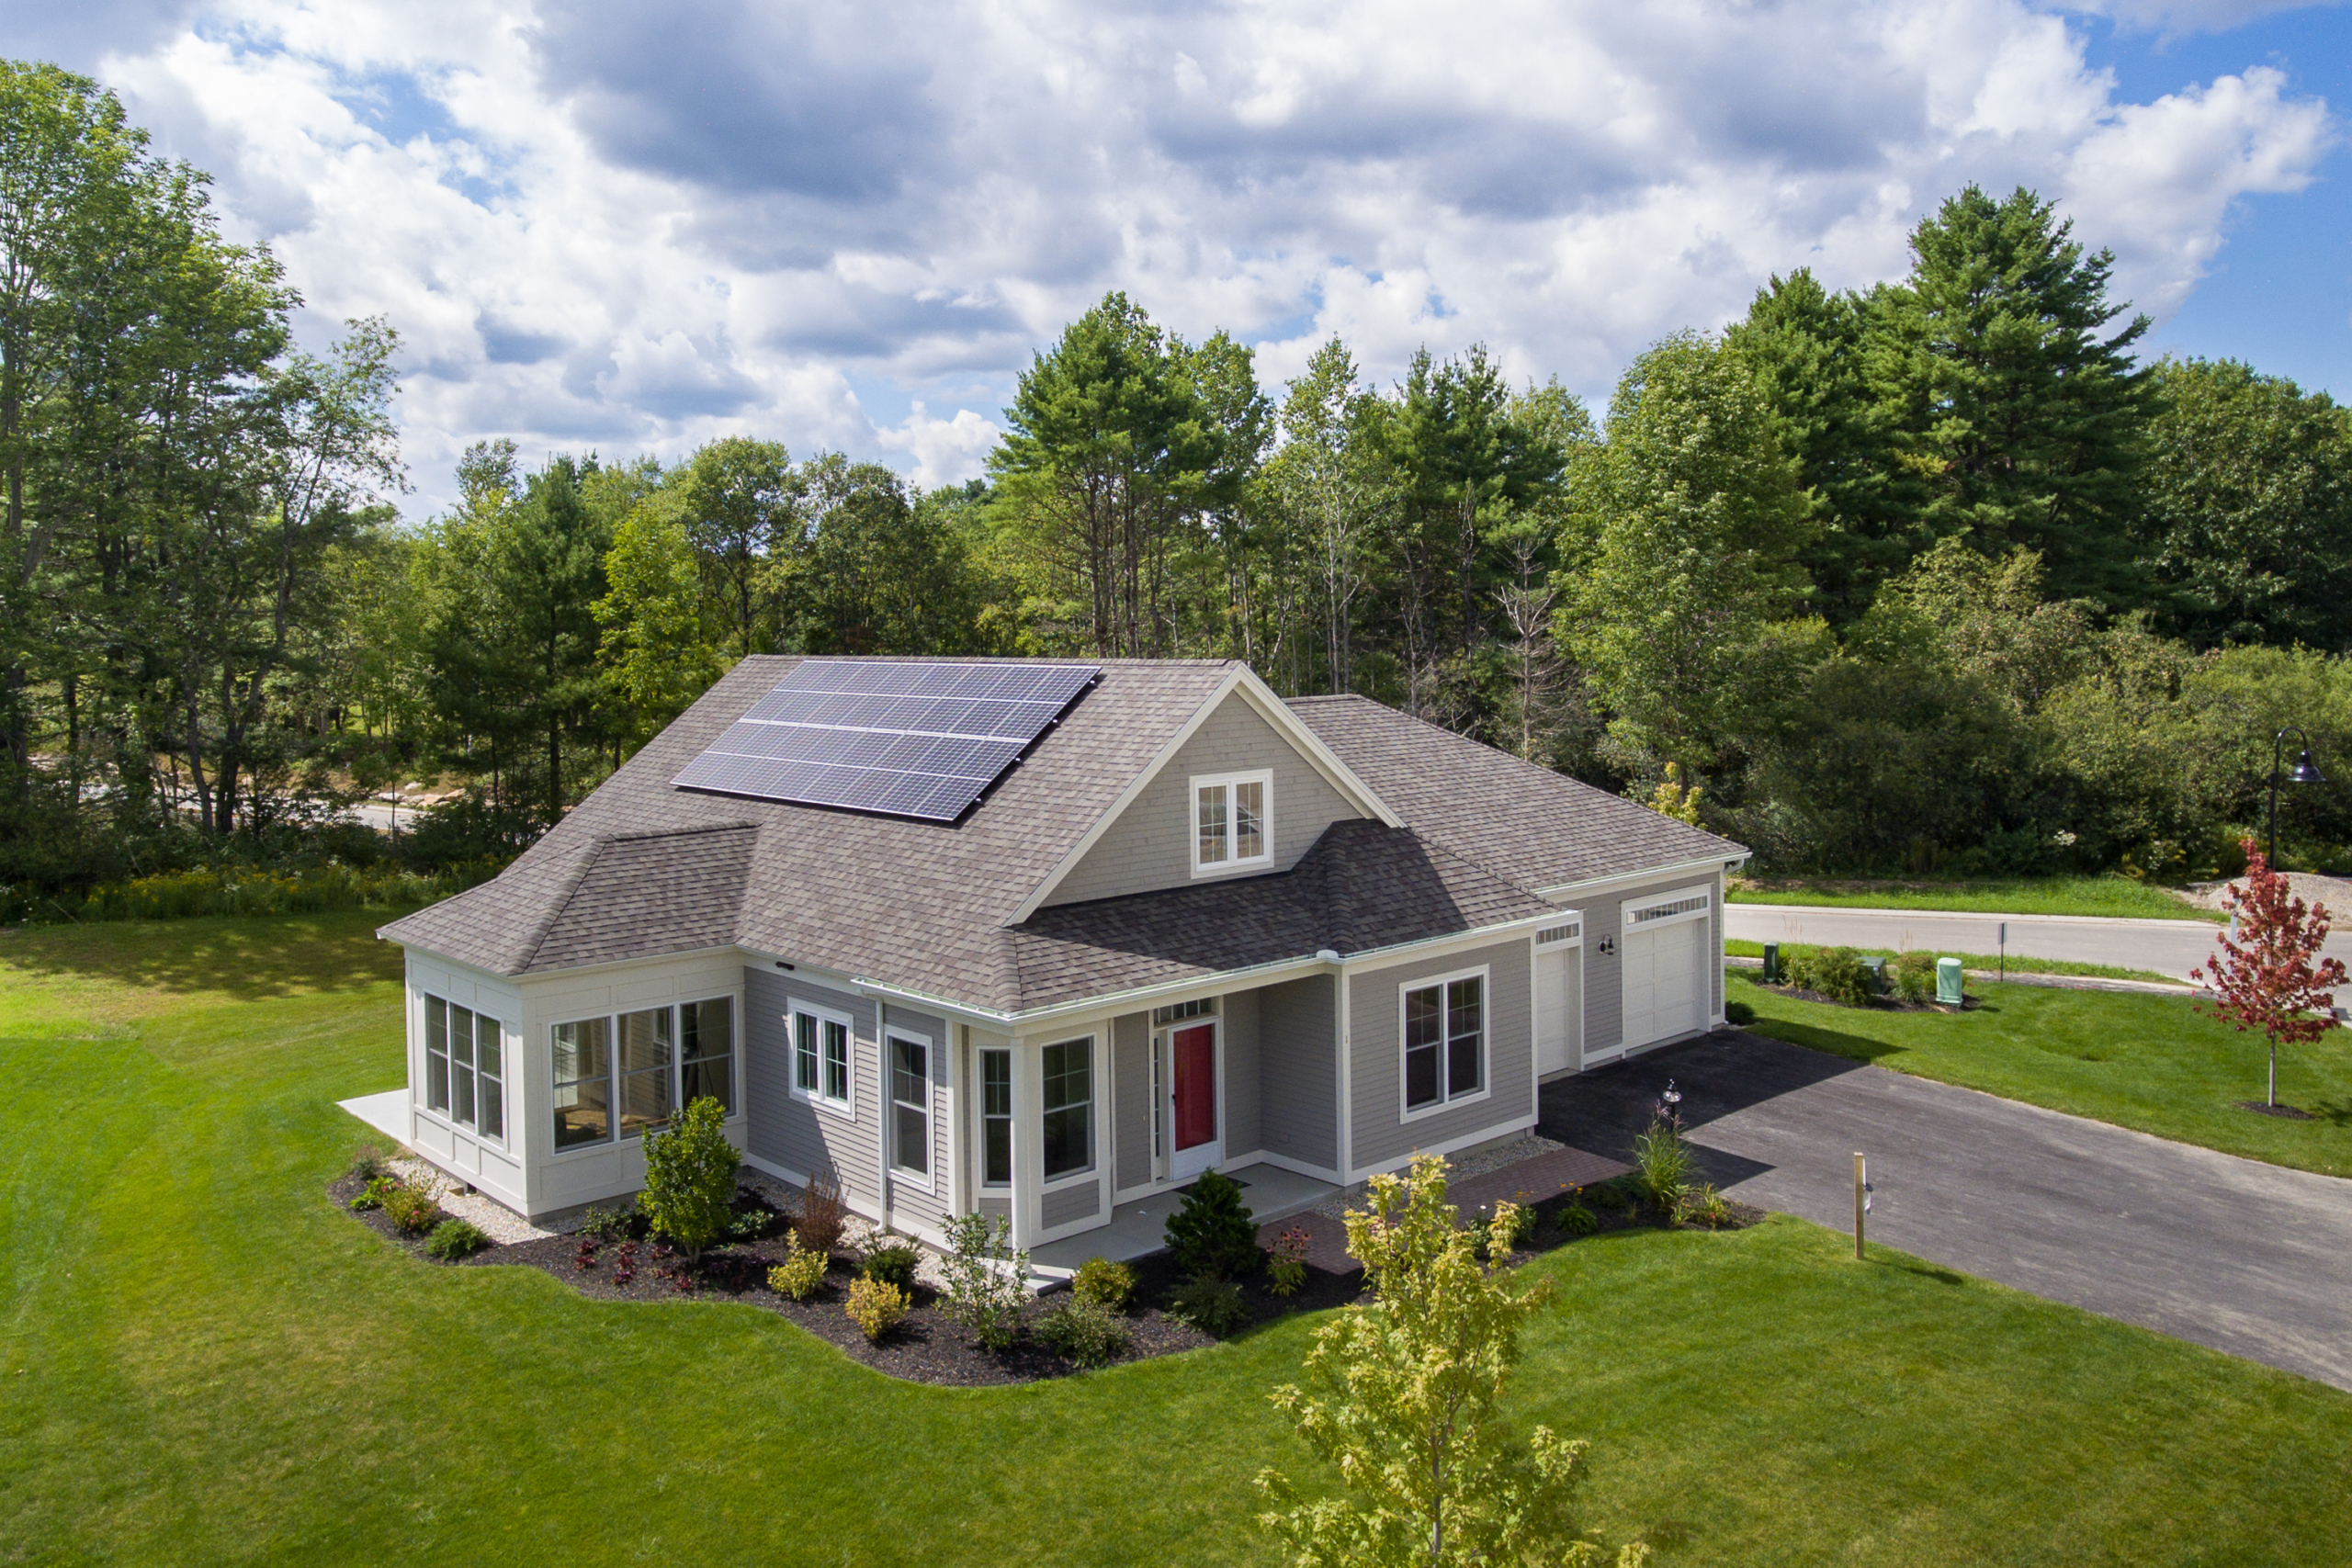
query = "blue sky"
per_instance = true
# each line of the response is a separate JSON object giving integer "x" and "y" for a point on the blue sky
{"x": 639, "y": 228}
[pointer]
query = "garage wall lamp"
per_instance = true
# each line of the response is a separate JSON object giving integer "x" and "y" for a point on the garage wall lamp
{"x": 1606, "y": 947}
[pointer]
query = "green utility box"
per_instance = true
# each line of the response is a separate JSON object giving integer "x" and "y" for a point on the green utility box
{"x": 1948, "y": 982}
{"x": 1772, "y": 963}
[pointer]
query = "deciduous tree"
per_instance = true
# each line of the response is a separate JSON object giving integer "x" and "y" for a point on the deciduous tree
{"x": 2267, "y": 970}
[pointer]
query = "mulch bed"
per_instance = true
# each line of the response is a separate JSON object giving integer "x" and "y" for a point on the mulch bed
{"x": 926, "y": 1346}
{"x": 2288, "y": 1113}
{"x": 1879, "y": 1004}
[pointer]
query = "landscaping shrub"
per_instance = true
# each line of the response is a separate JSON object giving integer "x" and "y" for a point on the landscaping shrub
{"x": 890, "y": 1260}
{"x": 1212, "y": 1305}
{"x": 368, "y": 1165}
{"x": 1739, "y": 1014}
{"x": 1104, "y": 1282}
{"x": 690, "y": 1177}
{"x": 1286, "y": 1265}
{"x": 1663, "y": 1163}
{"x": 1833, "y": 972}
{"x": 1577, "y": 1220}
{"x": 1084, "y": 1331}
{"x": 1912, "y": 976}
{"x": 986, "y": 1278}
{"x": 822, "y": 1214}
{"x": 1213, "y": 1234}
{"x": 875, "y": 1306}
{"x": 413, "y": 1208}
{"x": 1703, "y": 1206}
{"x": 800, "y": 1273}
{"x": 612, "y": 1224}
{"x": 453, "y": 1239}
{"x": 378, "y": 1188}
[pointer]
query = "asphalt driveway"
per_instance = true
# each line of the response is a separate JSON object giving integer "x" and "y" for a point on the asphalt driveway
{"x": 2231, "y": 1253}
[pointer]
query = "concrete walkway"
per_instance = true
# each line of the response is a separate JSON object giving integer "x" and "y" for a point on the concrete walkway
{"x": 2166, "y": 947}
{"x": 2231, "y": 1253}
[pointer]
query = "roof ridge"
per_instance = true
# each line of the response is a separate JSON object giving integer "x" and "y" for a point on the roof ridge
{"x": 578, "y": 873}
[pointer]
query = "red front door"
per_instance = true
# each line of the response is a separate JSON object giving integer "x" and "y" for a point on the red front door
{"x": 1195, "y": 1085}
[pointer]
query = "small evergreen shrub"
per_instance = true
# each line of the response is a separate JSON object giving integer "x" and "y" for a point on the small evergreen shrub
{"x": 690, "y": 1177}
{"x": 875, "y": 1306}
{"x": 1577, "y": 1220}
{"x": 453, "y": 1239}
{"x": 800, "y": 1273}
{"x": 1212, "y": 1305}
{"x": 413, "y": 1209}
{"x": 1104, "y": 1282}
{"x": 892, "y": 1261}
{"x": 1082, "y": 1331}
{"x": 986, "y": 1278}
{"x": 1738, "y": 1013}
{"x": 1286, "y": 1265}
{"x": 1213, "y": 1234}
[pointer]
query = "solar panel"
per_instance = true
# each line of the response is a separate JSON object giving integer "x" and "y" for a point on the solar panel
{"x": 899, "y": 736}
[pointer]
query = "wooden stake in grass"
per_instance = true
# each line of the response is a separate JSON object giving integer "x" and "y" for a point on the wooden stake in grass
{"x": 1861, "y": 1202}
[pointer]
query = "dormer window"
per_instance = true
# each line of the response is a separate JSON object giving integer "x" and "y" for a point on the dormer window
{"x": 1233, "y": 827}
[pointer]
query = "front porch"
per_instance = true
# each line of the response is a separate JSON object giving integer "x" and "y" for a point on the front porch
{"x": 1140, "y": 1226}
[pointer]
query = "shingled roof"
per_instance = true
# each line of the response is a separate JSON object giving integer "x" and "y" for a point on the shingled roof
{"x": 1540, "y": 829}
{"x": 642, "y": 868}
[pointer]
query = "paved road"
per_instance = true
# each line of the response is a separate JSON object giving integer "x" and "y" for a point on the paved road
{"x": 2240, "y": 1256}
{"x": 2168, "y": 947}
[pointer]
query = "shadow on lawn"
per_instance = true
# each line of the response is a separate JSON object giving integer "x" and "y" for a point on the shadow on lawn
{"x": 241, "y": 958}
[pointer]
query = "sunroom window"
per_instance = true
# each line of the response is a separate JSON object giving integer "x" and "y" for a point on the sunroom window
{"x": 464, "y": 1068}
{"x": 626, "y": 1074}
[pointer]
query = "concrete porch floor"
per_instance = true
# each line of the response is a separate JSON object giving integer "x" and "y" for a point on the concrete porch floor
{"x": 1139, "y": 1227}
{"x": 387, "y": 1112}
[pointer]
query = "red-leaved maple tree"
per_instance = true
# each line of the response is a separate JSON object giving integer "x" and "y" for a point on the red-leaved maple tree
{"x": 2269, "y": 973}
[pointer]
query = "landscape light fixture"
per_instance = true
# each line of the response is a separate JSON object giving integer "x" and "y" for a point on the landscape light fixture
{"x": 2305, "y": 772}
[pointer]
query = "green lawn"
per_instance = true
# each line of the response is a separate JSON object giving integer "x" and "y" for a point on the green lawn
{"x": 2113, "y": 896}
{"x": 2150, "y": 1062}
{"x": 204, "y": 1363}
{"x": 1989, "y": 961}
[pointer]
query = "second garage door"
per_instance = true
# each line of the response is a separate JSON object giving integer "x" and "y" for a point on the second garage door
{"x": 1665, "y": 976}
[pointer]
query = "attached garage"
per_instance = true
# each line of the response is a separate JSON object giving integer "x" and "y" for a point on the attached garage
{"x": 1665, "y": 949}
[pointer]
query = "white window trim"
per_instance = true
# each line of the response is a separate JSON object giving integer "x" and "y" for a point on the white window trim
{"x": 1569, "y": 918}
{"x": 1486, "y": 1088}
{"x": 612, "y": 1017}
{"x": 1200, "y": 782}
{"x": 980, "y": 1116}
{"x": 419, "y": 1098}
{"x": 1625, "y": 926}
{"x": 927, "y": 1178}
{"x": 1095, "y": 1062}
{"x": 845, "y": 1108}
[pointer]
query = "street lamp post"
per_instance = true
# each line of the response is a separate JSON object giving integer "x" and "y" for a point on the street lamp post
{"x": 2305, "y": 772}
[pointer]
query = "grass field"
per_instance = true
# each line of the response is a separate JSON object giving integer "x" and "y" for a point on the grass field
{"x": 2149, "y": 1061}
{"x": 204, "y": 1363}
{"x": 2111, "y": 897}
{"x": 2018, "y": 965}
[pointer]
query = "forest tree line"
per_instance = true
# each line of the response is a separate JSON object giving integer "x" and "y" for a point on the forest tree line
{"x": 1939, "y": 576}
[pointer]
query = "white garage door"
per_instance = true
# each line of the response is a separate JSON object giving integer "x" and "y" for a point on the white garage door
{"x": 1665, "y": 972}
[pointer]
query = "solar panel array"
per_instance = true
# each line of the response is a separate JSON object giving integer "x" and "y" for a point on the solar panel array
{"x": 903, "y": 738}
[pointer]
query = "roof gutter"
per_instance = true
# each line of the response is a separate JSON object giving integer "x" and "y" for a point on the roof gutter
{"x": 1724, "y": 863}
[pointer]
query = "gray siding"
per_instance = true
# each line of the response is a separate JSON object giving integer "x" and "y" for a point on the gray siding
{"x": 1298, "y": 1087}
{"x": 1077, "y": 1202}
{"x": 1604, "y": 992}
{"x": 1381, "y": 1134}
{"x": 1131, "y": 1100}
{"x": 907, "y": 1199}
{"x": 1149, "y": 846}
{"x": 1238, "y": 1020}
{"x": 792, "y": 1132}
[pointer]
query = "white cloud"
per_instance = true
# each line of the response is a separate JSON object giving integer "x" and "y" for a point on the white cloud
{"x": 637, "y": 229}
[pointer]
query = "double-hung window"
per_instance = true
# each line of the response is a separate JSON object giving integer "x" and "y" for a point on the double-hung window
{"x": 465, "y": 1068}
{"x": 1445, "y": 1040}
{"x": 996, "y": 1117}
{"x": 624, "y": 1075}
{"x": 910, "y": 1105}
{"x": 1232, "y": 824}
{"x": 820, "y": 1056}
{"x": 1067, "y": 1135}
